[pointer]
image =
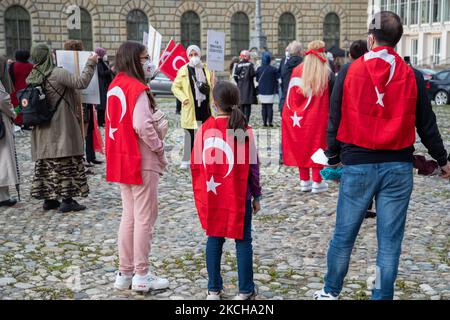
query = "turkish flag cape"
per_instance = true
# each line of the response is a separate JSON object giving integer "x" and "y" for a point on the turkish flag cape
{"x": 220, "y": 168}
{"x": 175, "y": 60}
{"x": 379, "y": 102}
{"x": 304, "y": 124}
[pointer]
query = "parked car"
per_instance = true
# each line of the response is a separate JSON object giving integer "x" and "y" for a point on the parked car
{"x": 427, "y": 73}
{"x": 438, "y": 87}
{"x": 161, "y": 85}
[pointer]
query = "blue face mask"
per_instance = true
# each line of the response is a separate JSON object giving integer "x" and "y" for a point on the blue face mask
{"x": 216, "y": 110}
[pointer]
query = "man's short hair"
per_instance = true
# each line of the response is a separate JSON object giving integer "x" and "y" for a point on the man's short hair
{"x": 387, "y": 28}
{"x": 358, "y": 49}
{"x": 295, "y": 48}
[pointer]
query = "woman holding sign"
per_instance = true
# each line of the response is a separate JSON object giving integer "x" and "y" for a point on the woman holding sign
{"x": 57, "y": 146}
{"x": 192, "y": 87}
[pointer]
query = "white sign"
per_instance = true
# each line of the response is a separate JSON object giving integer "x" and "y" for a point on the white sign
{"x": 145, "y": 38}
{"x": 215, "y": 57}
{"x": 319, "y": 157}
{"x": 74, "y": 62}
{"x": 154, "y": 45}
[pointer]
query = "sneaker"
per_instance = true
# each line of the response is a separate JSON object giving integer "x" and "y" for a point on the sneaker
{"x": 319, "y": 187}
{"x": 149, "y": 282}
{"x": 123, "y": 282}
{"x": 213, "y": 295}
{"x": 72, "y": 206}
{"x": 8, "y": 203}
{"x": 370, "y": 214}
{"x": 185, "y": 165}
{"x": 322, "y": 295}
{"x": 51, "y": 205}
{"x": 246, "y": 296}
{"x": 305, "y": 186}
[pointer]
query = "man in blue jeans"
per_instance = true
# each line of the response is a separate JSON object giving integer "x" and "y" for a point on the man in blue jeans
{"x": 377, "y": 104}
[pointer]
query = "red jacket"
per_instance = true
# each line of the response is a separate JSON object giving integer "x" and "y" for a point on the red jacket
{"x": 379, "y": 102}
{"x": 123, "y": 157}
{"x": 19, "y": 72}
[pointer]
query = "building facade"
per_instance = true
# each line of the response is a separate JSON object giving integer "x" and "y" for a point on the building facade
{"x": 108, "y": 23}
{"x": 426, "y": 30}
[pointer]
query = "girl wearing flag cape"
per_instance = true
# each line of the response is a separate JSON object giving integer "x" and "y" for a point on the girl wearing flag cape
{"x": 305, "y": 116}
{"x": 225, "y": 178}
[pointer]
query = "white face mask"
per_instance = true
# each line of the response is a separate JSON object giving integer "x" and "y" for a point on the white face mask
{"x": 287, "y": 54}
{"x": 195, "y": 61}
{"x": 149, "y": 69}
{"x": 105, "y": 58}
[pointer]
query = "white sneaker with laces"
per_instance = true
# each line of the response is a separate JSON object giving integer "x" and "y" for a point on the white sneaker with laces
{"x": 185, "y": 165}
{"x": 212, "y": 295}
{"x": 322, "y": 295}
{"x": 246, "y": 296}
{"x": 149, "y": 282}
{"x": 319, "y": 187}
{"x": 123, "y": 282}
{"x": 305, "y": 186}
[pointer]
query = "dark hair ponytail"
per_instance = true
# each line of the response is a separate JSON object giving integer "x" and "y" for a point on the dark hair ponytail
{"x": 226, "y": 95}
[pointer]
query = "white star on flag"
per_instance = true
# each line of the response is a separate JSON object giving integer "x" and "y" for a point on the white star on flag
{"x": 380, "y": 97}
{"x": 111, "y": 132}
{"x": 296, "y": 119}
{"x": 211, "y": 185}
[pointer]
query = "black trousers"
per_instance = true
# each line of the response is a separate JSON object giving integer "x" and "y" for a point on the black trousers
{"x": 90, "y": 153}
{"x": 101, "y": 117}
{"x": 178, "y": 109}
{"x": 267, "y": 113}
{"x": 247, "y": 110}
{"x": 189, "y": 136}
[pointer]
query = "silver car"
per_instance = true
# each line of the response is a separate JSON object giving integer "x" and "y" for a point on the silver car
{"x": 161, "y": 85}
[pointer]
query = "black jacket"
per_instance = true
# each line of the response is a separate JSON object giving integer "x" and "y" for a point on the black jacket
{"x": 285, "y": 74}
{"x": 105, "y": 77}
{"x": 244, "y": 75}
{"x": 351, "y": 155}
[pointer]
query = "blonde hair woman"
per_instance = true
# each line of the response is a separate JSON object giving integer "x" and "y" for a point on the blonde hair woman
{"x": 305, "y": 116}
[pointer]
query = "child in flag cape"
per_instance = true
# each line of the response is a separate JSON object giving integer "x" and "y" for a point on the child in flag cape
{"x": 305, "y": 116}
{"x": 225, "y": 178}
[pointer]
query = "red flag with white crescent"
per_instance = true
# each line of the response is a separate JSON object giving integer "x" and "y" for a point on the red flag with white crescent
{"x": 167, "y": 51}
{"x": 220, "y": 165}
{"x": 304, "y": 123}
{"x": 174, "y": 61}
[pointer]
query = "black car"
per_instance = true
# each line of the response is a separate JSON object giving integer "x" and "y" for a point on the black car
{"x": 438, "y": 87}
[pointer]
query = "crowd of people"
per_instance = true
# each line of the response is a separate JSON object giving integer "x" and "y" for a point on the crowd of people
{"x": 364, "y": 120}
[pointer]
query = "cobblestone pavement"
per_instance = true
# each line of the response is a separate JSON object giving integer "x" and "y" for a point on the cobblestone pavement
{"x": 49, "y": 255}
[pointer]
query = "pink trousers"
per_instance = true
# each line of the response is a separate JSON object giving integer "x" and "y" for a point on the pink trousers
{"x": 140, "y": 210}
{"x": 305, "y": 174}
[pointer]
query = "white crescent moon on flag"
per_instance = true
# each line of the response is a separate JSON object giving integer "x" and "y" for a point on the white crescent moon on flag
{"x": 174, "y": 63}
{"x": 384, "y": 55}
{"x": 118, "y": 92}
{"x": 296, "y": 82}
{"x": 218, "y": 143}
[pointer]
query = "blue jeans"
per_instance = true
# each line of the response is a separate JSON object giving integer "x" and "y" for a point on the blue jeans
{"x": 244, "y": 254}
{"x": 391, "y": 184}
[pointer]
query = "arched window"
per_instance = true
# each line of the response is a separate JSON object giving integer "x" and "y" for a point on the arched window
{"x": 18, "y": 29}
{"x": 332, "y": 30}
{"x": 286, "y": 31}
{"x": 190, "y": 29}
{"x": 85, "y": 32}
{"x": 137, "y": 24}
{"x": 240, "y": 33}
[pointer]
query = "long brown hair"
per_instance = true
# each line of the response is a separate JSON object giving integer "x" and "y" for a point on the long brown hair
{"x": 226, "y": 96}
{"x": 128, "y": 60}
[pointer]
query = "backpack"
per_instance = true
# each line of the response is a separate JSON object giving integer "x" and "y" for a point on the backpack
{"x": 35, "y": 108}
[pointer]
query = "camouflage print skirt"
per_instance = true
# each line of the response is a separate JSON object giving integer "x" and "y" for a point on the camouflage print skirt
{"x": 60, "y": 178}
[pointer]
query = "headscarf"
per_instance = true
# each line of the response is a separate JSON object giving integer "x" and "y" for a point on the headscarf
{"x": 265, "y": 58}
{"x": 100, "y": 52}
{"x": 4, "y": 75}
{"x": 199, "y": 73}
{"x": 41, "y": 54}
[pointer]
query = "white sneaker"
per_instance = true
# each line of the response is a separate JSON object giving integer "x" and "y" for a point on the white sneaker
{"x": 322, "y": 295}
{"x": 185, "y": 165}
{"x": 305, "y": 186}
{"x": 319, "y": 187}
{"x": 246, "y": 296}
{"x": 149, "y": 282}
{"x": 214, "y": 295}
{"x": 123, "y": 282}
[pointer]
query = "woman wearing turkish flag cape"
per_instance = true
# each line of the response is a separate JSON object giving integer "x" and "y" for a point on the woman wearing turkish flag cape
{"x": 305, "y": 116}
{"x": 225, "y": 178}
{"x": 135, "y": 159}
